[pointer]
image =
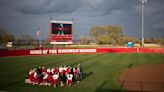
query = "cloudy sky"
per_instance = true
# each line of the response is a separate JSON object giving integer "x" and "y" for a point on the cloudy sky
{"x": 26, "y": 16}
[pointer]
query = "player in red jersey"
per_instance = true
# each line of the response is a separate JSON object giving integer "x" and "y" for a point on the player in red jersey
{"x": 52, "y": 71}
{"x": 75, "y": 73}
{"x": 35, "y": 78}
{"x": 45, "y": 77}
{"x": 49, "y": 76}
{"x": 60, "y": 70}
{"x": 67, "y": 70}
{"x": 30, "y": 77}
{"x": 43, "y": 70}
{"x": 55, "y": 79}
{"x": 49, "y": 70}
{"x": 50, "y": 79}
{"x": 69, "y": 79}
{"x": 57, "y": 70}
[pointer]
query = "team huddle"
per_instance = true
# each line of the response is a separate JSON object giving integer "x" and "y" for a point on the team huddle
{"x": 61, "y": 75}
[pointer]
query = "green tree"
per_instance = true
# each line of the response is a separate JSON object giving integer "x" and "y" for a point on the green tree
{"x": 148, "y": 40}
{"x": 107, "y": 34}
{"x": 159, "y": 40}
{"x": 5, "y": 36}
{"x": 84, "y": 40}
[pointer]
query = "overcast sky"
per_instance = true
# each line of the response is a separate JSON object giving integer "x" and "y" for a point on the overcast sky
{"x": 26, "y": 16}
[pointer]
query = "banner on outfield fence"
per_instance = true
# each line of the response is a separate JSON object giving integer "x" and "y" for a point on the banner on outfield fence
{"x": 62, "y": 51}
{"x": 5, "y": 53}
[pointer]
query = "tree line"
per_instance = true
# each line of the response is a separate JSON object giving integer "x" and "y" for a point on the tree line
{"x": 113, "y": 35}
{"x": 101, "y": 35}
{"x": 6, "y": 37}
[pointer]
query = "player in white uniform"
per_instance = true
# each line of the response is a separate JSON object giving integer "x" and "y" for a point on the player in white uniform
{"x": 48, "y": 70}
{"x": 69, "y": 79}
{"x": 55, "y": 79}
{"x": 35, "y": 78}
{"x": 52, "y": 71}
{"x": 45, "y": 78}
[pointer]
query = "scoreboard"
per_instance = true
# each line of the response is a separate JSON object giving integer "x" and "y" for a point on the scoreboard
{"x": 61, "y": 32}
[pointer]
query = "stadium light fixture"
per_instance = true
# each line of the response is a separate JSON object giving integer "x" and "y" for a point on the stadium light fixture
{"x": 143, "y": 2}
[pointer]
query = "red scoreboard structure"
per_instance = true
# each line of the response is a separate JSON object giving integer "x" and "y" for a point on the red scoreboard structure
{"x": 61, "y": 32}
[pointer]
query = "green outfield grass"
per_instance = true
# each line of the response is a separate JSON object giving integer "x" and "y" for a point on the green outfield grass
{"x": 100, "y": 70}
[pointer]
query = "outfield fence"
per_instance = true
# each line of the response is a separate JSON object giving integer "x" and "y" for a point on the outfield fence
{"x": 5, "y": 53}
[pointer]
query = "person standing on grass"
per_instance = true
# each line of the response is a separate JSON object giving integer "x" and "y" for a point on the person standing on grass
{"x": 75, "y": 72}
{"x": 80, "y": 72}
{"x": 71, "y": 71}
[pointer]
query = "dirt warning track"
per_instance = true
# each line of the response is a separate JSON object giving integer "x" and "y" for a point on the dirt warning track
{"x": 148, "y": 78}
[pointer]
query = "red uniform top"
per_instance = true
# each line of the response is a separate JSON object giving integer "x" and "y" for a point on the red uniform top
{"x": 57, "y": 70}
{"x": 44, "y": 70}
{"x": 75, "y": 71}
{"x": 31, "y": 76}
{"x": 50, "y": 78}
{"x": 68, "y": 71}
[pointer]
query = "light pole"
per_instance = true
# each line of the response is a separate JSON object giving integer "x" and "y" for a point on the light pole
{"x": 143, "y": 2}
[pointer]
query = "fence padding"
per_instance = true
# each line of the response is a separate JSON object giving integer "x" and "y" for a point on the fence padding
{"x": 5, "y": 53}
